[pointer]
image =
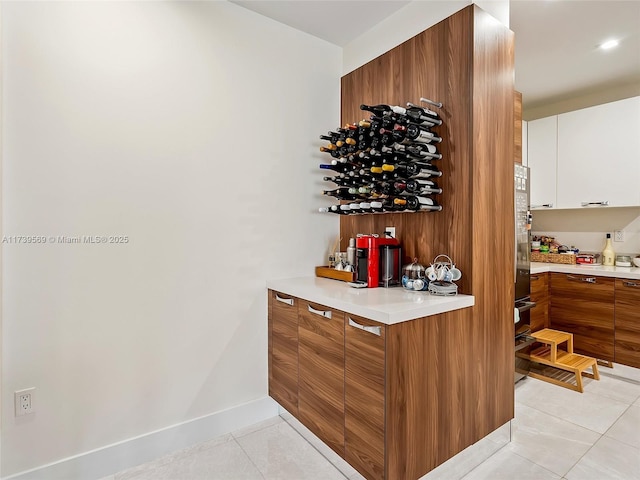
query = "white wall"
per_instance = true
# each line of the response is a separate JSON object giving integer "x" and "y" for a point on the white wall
{"x": 407, "y": 23}
{"x": 192, "y": 129}
{"x": 587, "y": 228}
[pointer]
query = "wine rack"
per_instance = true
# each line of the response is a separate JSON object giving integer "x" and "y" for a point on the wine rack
{"x": 387, "y": 163}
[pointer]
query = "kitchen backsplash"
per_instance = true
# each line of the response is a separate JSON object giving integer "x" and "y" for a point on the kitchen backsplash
{"x": 587, "y": 229}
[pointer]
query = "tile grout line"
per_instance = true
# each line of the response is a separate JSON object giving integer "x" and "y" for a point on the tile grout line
{"x": 541, "y": 466}
{"x": 582, "y": 426}
{"x": 316, "y": 449}
{"x": 612, "y": 438}
{"x": 249, "y": 456}
{"x": 600, "y": 435}
{"x": 485, "y": 460}
{"x": 565, "y": 420}
{"x": 594, "y": 443}
{"x": 583, "y": 455}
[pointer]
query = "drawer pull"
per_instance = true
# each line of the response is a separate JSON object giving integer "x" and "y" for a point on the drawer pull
{"x": 631, "y": 284}
{"x": 544, "y": 205}
{"x": 288, "y": 301}
{"x": 582, "y": 279}
{"x": 322, "y": 313}
{"x": 600, "y": 204}
{"x": 534, "y": 278}
{"x": 370, "y": 329}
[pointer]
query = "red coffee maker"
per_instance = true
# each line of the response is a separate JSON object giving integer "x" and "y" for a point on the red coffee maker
{"x": 378, "y": 261}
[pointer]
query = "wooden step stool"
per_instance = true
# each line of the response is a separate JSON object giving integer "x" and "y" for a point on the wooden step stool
{"x": 550, "y": 354}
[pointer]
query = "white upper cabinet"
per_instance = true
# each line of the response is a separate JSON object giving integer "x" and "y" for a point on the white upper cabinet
{"x": 542, "y": 155}
{"x": 598, "y": 156}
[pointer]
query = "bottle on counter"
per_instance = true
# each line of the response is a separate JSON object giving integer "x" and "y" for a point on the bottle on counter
{"x": 608, "y": 255}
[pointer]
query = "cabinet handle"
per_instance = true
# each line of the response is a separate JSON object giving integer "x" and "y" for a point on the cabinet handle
{"x": 288, "y": 301}
{"x": 534, "y": 278}
{"x": 322, "y": 313}
{"x": 582, "y": 279}
{"x": 544, "y": 205}
{"x": 631, "y": 284}
{"x": 601, "y": 204}
{"x": 372, "y": 329}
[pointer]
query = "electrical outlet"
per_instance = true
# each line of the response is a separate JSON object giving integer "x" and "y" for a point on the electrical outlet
{"x": 618, "y": 235}
{"x": 390, "y": 231}
{"x": 24, "y": 401}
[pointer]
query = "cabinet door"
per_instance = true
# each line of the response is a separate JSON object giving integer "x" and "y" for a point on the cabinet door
{"x": 540, "y": 294}
{"x": 321, "y": 375}
{"x": 542, "y": 160}
{"x": 627, "y": 345}
{"x": 283, "y": 350}
{"x": 584, "y": 305}
{"x": 364, "y": 395}
{"x": 598, "y": 155}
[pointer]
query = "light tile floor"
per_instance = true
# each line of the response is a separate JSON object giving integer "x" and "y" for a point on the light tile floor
{"x": 556, "y": 434}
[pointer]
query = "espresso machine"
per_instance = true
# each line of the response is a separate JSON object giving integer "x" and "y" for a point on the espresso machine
{"x": 378, "y": 261}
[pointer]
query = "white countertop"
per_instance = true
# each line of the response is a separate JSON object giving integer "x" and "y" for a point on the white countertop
{"x": 617, "y": 272}
{"x": 384, "y": 305}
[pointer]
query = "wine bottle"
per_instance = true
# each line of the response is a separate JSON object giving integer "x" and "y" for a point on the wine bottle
{"x": 343, "y": 193}
{"x": 340, "y": 167}
{"x": 389, "y": 189}
{"x": 376, "y": 206}
{"x": 365, "y": 207}
{"x": 342, "y": 181}
{"x": 418, "y": 186}
{"x": 422, "y": 203}
{"x": 422, "y": 150}
{"x": 413, "y": 133}
{"x": 413, "y": 169}
{"x": 333, "y": 209}
{"x": 354, "y": 207}
{"x": 378, "y": 110}
{"x": 345, "y": 209}
{"x": 333, "y": 153}
{"x": 416, "y": 114}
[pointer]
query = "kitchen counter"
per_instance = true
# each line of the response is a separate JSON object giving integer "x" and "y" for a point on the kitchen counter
{"x": 384, "y": 305}
{"x": 617, "y": 272}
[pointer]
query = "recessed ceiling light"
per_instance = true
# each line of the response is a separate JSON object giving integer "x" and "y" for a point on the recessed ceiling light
{"x": 609, "y": 44}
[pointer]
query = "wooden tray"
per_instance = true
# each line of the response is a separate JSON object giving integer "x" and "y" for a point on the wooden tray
{"x": 327, "y": 272}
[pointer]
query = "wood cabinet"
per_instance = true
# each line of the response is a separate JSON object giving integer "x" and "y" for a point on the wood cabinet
{"x": 627, "y": 312}
{"x": 365, "y": 395}
{"x": 542, "y": 159}
{"x": 598, "y": 151}
{"x": 321, "y": 373}
{"x": 517, "y": 127}
{"x": 283, "y": 350}
{"x": 395, "y": 401}
{"x": 584, "y": 306}
{"x": 539, "y": 318}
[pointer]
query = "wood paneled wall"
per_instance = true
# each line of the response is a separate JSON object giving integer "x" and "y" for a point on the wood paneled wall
{"x": 517, "y": 126}
{"x": 467, "y": 63}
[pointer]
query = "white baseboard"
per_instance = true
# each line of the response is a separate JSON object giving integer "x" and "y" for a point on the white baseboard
{"x": 113, "y": 458}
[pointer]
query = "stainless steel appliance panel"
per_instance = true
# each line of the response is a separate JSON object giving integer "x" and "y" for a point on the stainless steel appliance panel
{"x": 523, "y": 232}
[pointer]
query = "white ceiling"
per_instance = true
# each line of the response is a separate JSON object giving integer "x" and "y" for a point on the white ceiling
{"x": 336, "y": 21}
{"x": 556, "y": 40}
